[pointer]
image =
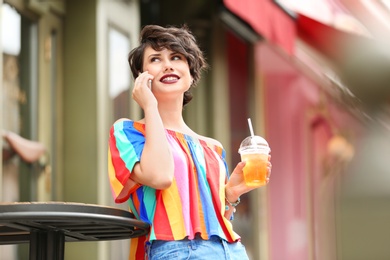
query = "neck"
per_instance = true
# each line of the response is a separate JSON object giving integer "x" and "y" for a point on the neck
{"x": 172, "y": 115}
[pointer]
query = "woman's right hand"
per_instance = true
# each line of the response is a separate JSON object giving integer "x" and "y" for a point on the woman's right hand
{"x": 142, "y": 91}
{"x": 156, "y": 157}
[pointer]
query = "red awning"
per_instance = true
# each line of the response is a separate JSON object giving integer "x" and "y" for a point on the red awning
{"x": 270, "y": 21}
{"x": 331, "y": 42}
{"x": 267, "y": 19}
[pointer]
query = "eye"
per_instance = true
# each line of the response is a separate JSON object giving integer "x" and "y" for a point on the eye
{"x": 176, "y": 57}
{"x": 154, "y": 59}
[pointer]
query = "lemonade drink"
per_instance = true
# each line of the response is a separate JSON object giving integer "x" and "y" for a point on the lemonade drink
{"x": 255, "y": 151}
{"x": 255, "y": 170}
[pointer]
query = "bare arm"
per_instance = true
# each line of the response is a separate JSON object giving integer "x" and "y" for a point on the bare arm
{"x": 156, "y": 167}
{"x": 231, "y": 193}
{"x": 236, "y": 186}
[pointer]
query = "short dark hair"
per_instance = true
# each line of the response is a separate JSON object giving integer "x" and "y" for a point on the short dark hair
{"x": 177, "y": 39}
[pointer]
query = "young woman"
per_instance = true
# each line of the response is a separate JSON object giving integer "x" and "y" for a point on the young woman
{"x": 173, "y": 178}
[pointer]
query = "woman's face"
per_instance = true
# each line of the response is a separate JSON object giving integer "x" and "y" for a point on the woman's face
{"x": 170, "y": 70}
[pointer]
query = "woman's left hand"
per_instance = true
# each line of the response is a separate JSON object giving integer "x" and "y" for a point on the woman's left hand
{"x": 236, "y": 185}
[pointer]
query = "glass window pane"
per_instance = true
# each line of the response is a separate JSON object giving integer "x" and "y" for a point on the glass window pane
{"x": 119, "y": 73}
{"x": 10, "y": 30}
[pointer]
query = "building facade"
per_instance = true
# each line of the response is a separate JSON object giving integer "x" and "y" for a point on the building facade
{"x": 66, "y": 80}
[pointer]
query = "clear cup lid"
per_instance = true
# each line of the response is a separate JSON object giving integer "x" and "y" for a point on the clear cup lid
{"x": 254, "y": 143}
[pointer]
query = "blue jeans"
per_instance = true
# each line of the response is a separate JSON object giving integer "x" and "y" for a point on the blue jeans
{"x": 215, "y": 248}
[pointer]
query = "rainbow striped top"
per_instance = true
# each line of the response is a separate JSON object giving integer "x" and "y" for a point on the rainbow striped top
{"x": 193, "y": 204}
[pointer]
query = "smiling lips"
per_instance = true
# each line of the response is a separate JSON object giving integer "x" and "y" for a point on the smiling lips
{"x": 170, "y": 78}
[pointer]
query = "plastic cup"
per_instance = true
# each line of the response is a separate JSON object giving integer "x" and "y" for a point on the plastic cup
{"x": 254, "y": 150}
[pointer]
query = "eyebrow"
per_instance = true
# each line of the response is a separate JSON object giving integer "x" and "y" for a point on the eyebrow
{"x": 154, "y": 55}
{"x": 157, "y": 54}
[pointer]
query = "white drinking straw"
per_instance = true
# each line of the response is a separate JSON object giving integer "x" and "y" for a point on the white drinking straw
{"x": 250, "y": 127}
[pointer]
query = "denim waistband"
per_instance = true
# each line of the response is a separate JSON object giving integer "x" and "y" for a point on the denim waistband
{"x": 182, "y": 249}
{"x": 184, "y": 243}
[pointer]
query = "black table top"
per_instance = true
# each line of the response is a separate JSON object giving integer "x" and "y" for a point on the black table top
{"x": 77, "y": 221}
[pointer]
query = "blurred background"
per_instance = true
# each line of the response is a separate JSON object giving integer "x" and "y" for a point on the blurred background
{"x": 312, "y": 75}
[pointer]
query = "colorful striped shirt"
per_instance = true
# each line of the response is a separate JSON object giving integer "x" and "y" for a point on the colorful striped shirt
{"x": 193, "y": 204}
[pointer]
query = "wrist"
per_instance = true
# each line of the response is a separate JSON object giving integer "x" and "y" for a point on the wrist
{"x": 151, "y": 108}
{"x": 231, "y": 197}
{"x": 4, "y": 134}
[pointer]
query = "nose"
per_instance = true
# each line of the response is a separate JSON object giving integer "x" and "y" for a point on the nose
{"x": 168, "y": 65}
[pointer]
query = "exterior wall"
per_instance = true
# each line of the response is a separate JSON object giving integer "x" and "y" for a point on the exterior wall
{"x": 80, "y": 97}
{"x": 123, "y": 17}
{"x": 302, "y": 123}
{"x": 286, "y": 219}
{"x": 80, "y": 117}
{"x": 88, "y": 109}
{"x": 50, "y": 95}
{"x": 74, "y": 111}
{"x": 246, "y": 100}
{"x": 220, "y": 88}
{"x": 3, "y": 250}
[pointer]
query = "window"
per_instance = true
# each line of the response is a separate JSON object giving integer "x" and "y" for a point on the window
{"x": 119, "y": 73}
